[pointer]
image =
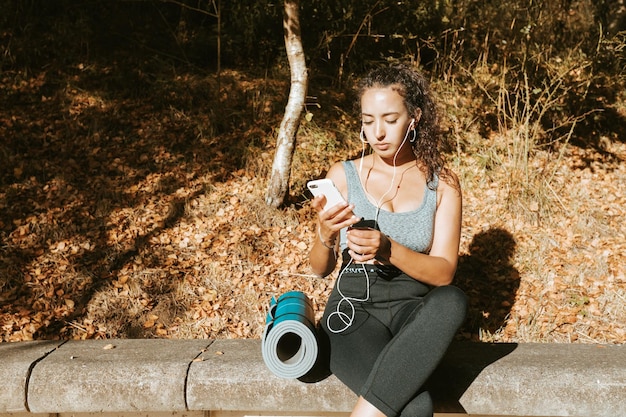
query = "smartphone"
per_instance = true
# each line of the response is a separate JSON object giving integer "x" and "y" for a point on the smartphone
{"x": 326, "y": 187}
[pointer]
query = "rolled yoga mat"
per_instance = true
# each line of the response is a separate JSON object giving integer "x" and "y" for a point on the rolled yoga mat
{"x": 289, "y": 344}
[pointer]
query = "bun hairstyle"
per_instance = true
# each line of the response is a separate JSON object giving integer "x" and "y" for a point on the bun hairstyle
{"x": 415, "y": 90}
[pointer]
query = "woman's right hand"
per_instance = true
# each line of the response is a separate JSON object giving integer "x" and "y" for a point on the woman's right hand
{"x": 334, "y": 219}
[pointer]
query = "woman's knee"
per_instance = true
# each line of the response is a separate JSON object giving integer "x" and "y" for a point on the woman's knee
{"x": 451, "y": 298}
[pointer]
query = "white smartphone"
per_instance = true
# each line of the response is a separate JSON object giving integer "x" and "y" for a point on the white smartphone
{"x": 326, "y": 187}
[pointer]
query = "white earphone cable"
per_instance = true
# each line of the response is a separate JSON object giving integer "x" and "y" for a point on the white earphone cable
{"x": 348, "y": 318}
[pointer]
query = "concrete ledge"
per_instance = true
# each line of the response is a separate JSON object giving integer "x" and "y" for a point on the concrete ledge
{"x": 534, "y": 380}
{"x": 17, "y": 360}
{"x": 236, "y": 369}
{"x": 228, "y": 377}
{"x": 113, "y": 376}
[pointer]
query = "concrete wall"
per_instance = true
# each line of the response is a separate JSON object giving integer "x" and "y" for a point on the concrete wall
{"x": 228, "y": 378}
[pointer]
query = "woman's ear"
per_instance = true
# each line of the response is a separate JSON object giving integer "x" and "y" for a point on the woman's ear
{"x": 416, "y": 118}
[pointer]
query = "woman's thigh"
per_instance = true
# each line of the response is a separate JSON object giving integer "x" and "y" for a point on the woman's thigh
{"x": 354, "y": 351}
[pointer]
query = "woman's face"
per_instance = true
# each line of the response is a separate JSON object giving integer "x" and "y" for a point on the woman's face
{"x": 385, "y": 121}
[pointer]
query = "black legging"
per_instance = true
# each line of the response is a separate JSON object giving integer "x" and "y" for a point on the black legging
{"x": 396, "y": 339}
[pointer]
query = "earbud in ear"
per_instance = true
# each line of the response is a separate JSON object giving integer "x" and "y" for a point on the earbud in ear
{"x": 413, "y": 131}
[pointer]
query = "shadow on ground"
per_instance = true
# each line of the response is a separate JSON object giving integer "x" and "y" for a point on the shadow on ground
{"x": 489, "y": 279}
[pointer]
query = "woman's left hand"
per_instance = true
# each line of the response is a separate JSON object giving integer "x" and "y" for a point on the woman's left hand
{"x": 367, "y": 244}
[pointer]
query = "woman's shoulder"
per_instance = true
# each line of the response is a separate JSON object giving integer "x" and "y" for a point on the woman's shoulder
{"x": 448, "y": 182}
{"x": 343, "y": 171}
{"x": 449, "y": 178}
{"x": 337, "y": 173}
{"x": 336, "y": 169}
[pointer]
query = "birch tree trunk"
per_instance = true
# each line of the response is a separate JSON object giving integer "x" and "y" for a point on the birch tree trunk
{"x": 281, "y": 168}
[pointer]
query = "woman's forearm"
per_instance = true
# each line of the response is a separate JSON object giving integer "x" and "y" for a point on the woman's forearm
{"x": 322, "y": 259}
{"x": 429, "y": 269}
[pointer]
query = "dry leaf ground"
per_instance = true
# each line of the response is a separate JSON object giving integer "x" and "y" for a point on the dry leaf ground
{"x": 142, "y": 215}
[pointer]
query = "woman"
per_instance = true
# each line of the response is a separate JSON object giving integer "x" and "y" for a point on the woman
{"x": 392, "y": 312}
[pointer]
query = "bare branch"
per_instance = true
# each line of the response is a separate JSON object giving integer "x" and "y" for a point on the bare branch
{"x": 195, "y": 9}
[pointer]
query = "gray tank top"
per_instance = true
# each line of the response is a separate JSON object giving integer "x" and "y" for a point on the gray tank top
{"x": 413, "y": 229}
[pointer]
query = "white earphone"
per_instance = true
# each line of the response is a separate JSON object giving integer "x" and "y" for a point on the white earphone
{"x": 348, "y": 318}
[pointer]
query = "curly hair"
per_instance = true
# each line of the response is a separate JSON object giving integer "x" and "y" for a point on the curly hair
{"x": 430, "y": 143}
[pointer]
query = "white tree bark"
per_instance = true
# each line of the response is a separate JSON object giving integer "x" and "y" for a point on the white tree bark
{"x": 279, "y": 181}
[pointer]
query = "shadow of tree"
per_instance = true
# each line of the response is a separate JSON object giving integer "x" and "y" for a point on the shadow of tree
{"x": 84, "y": 164}
{"x": 490, "y": 281}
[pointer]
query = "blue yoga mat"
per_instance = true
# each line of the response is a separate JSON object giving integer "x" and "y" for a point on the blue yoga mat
{"x": 289, "y": 344}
